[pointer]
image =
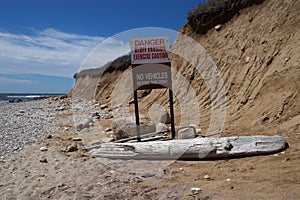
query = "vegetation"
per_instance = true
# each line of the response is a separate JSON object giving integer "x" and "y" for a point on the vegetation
{"x": 213, "y": 12}
{"x": 119, "y": 64}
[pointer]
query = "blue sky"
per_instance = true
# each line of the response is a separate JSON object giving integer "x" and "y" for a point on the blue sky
{"x": 43, "y": 43}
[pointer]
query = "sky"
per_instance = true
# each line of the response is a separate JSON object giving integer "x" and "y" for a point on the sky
{"x": 43, "y": 43}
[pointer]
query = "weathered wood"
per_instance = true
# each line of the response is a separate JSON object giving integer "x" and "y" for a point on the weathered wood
{"x": 142, "y": 136}
{"x": 198, "y": 148}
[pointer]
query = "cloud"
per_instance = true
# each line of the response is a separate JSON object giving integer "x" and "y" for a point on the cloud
{"x": 55, "y": 53}
{"x": 4, "y": 80}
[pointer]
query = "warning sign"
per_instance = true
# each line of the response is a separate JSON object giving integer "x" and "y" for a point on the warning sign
{"x": 151, "y": 76}
{"x": 150, "y": 50}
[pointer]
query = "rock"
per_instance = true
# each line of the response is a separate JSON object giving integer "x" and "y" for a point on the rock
{"x": 44, "y": 149}
{"x": 21, "y": 111}
{"x": 187, "y": 133}
{"x": 195, "y": 190}
{"x": 161, "y": 127}
{"x": 103, "y": 106}
{"x": 126, "y": 127}
{"x": 84, "y": 124}
{"x": 218, "y": 27}
{"x": 108, "y": 129}
{"x": 158, "y": 114}
{"x": 109, "y": 134}
{"x": 228, "y": 179}
{"x": 105, "y": 140}
{"x": 95, "y": 114}
{"x": 207, "y": 177}
{"x": 60, "y": 108}
{"x": 247, "y": 59}
{"x": 76, "y": 139}
{"x": 131, "y": 101}
{"x": 48, "y": 136}
{"x": 43, "y": 160}
{"x": 72, "y": 147}
{"x": 148, "y": 175}
{"x": 198, "y": 131}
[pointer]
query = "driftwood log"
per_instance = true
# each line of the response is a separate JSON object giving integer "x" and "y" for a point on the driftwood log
{"x": 198, "y": 148}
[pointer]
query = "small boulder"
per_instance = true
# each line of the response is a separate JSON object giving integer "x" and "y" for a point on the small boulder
{"x": 125, "y": 127}
{"x": 188, "y": 132}
{"x": 84, "y": 124}
{"x": 161, "y": 127}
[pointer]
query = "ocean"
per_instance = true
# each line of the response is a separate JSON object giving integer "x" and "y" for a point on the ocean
{"x": 19, "y": 97}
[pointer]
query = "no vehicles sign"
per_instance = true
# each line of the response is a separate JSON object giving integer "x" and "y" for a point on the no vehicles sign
{"x": 150, "y": 50}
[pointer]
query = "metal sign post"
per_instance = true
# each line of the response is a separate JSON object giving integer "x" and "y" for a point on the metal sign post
{"x": 151, "y": 69}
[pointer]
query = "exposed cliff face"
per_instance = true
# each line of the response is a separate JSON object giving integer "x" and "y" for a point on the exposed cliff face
{"x": 257, "y": 56}
{"x": 86, "y": 83}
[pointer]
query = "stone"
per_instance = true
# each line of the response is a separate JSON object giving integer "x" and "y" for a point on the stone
{"x": 195, "y": 190}
{"x": 228, "y": 179}
{"x": 207, "y": 177}
{"x": 247, "y": 59}
{"x": 158, "y": 114}
{"x": 76, "y": 139}
{"x": 106, "y": 140}
{"x": 103, "y": 106}
{"x": 108, "y": 129}
{"x": 44, "y": 149}
{"x": 84, "y": 124}
{"x": 161, "y": 127}
{"x": 218, "y": 27}
{"x": 125, "y": 127}
{"x": 72, "y": 147}
{"x": 187, "y": 133}
{"x": 48, "y": 136}
{"x": 43, "y": 160}
{"x": 148, "y": 175}
{"x": 198, "y": 131}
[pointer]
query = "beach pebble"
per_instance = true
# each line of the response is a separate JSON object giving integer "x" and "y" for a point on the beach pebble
{"x": 103, "y": 106}
{"x": 44, "y": 149}
{"x": 148, "y": 175}
{"x": 48, "y": 136}
{"x": 218, "y": 27}
{"x": 228, "y": 179}
{"x": 72, "y": 147}
{"x": 108, "y": 129}
{"x": 43, "y": 160}
{"x": 195, "y": 190}
{"x": 207, "y": 177}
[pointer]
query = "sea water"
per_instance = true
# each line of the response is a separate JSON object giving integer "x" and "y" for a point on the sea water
{"x": 19, "y": 97}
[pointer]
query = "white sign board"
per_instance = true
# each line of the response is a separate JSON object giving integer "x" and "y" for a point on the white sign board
{"x": 150, "y": 50}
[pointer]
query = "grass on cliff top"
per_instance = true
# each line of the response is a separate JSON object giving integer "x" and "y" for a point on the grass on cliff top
{"x": 205, "y": 7}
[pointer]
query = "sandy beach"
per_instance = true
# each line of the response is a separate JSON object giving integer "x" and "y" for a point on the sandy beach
{"x": 60, "y": 172}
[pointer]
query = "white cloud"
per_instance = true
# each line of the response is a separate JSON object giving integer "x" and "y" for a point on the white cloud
{"x": 51, "y": 52}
